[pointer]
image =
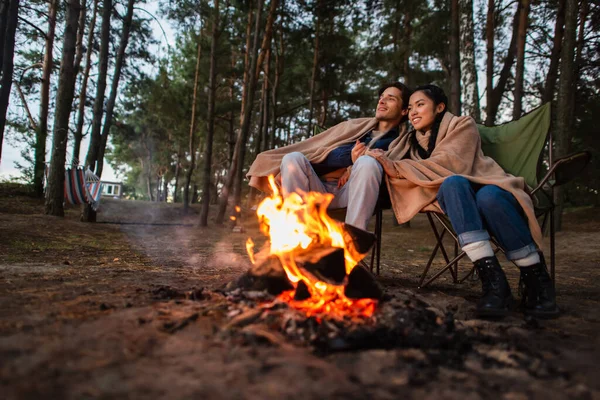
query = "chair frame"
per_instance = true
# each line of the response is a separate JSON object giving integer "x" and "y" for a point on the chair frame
{"x": 573, "y": 162}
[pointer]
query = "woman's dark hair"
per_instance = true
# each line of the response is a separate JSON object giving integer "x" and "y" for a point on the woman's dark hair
{"x": 437, "y": 95}
{"x": 406, "y": 93}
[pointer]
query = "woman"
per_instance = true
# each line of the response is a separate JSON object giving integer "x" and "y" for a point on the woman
{"x": 441, "y": 160}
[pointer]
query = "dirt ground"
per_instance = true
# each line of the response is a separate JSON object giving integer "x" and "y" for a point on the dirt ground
{"x": 97, "y": 311}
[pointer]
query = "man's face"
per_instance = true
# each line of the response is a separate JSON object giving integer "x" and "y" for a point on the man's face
{"x": 389, "y": 107}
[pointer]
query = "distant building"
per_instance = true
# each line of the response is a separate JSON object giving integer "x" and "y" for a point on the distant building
{"x": 112, "y": 189}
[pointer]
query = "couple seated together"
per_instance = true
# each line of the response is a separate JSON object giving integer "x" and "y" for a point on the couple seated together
{"x": 438, "y": 165}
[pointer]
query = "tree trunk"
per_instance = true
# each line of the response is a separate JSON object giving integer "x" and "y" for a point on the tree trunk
{"x": 192, "y": 136}
{"x": 498, "y": 91}
{"x": 95, "y": 138}
{"x": 210, "y": 131}
{"x": 489, "y": 37}
{"x": 4, "y": 7}
{"x": 559, "y": 29}
{"x": 114, "y": 89}
{"x": 468, "y": 68}
{"x": 8, "y": 52}
{"x": 564, "y": 106}
{"x": 407, "y": 45}
{"x": 177, "y": 173}
{"x": 78, "y": 134}
{"x": 454, "y": 59}
{"x": 524, "y": 5}
{"x": 42, "y": 132}
{"x": 64, "y": 101}
{"x": 315, "y": 69}
{"x": 266, "y": 42}
{"x": 267, "y": 109}
{"x": 279, "y": 58}
{"x": 237, "y": 163}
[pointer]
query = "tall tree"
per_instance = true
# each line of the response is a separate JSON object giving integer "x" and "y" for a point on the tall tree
{"x": 564, "y": 118}
{"x": 549, "y": 86}
{"x": 64, "y": 101}
{"x": 210, "y": 131}
{"x": 42, "y": 128}
{"x": 78, "y": 134}
{"x": 524, "y": 6}
{"x": 454, "y": 58}
{"x": 468, "y": 68}
{"x": 114, "y": 88}
{"x": 496, "y": 93}
{"x": 192, "y": 136}
{"x": 9, "y": 29}
{"x": 237, "y": 162}
{"x": 315, "y": 67}
{"x": 95, "y": 136}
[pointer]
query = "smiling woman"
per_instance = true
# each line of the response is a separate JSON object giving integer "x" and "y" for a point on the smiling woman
{"x": 440, "y": 164}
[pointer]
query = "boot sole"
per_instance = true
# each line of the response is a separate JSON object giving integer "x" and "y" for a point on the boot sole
{"x": 493, "y": 313}
{"x": 543, "y": 314}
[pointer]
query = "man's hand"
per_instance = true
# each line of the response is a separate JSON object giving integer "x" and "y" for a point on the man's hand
{"x": 344, "y": 178}
{"x": 358, "y": 150}
{"x": 386, "y": 163}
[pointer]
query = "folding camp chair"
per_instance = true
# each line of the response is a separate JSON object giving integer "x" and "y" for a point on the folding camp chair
{"x": 517, "y": 147}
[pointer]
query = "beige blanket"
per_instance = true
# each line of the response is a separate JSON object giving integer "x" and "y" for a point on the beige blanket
{"x": 315, "y": 149}
{"x": 457, "y": 152}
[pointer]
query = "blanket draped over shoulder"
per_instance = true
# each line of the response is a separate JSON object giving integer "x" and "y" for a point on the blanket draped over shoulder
{"x": 315, "y": 149}
{"x": 457, "y": 152}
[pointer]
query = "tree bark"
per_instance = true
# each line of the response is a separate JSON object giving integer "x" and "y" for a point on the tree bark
{"x": 468, "y": 68}
{"x": 210, "y": 131}
{"x": 454, "y": 59}
{"x": 192, "y": 136}
{"x": 4, "y": 7}
{"x": 524, "y": 5}
{"x": 41, "y": 133}
{"x": 497, "y": 92}
{"x": 315, "y": 69}
{"x": 64, "y": 101}
{"x": 95, "y": 138}
{"x": 559, "y": 29}
{"x": 114, "y": 89}
{"x": 177, "y": 173}
{"x": 489, "y": 37}
{"x": 78, "y": 134}
{"x": 237, "y": 163}
{"x": 564, "y": 107}
{"x": 8, "y": 53}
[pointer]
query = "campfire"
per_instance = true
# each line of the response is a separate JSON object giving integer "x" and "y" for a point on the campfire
{"x": 318, "y": 254}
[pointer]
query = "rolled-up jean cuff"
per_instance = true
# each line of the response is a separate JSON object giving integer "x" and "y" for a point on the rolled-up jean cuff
{"x": 472, "y": 237}
{"x": 522, "y": 252}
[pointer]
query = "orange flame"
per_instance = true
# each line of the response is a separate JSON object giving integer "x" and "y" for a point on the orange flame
{"x": 295, "y": 223}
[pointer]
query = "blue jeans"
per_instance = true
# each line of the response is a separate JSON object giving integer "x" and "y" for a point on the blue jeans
{"x": 474, "y": 210}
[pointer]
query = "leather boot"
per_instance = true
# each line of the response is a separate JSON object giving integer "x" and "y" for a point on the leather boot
{"x": 496, "y": 298}
{"x": 537, "y": 291}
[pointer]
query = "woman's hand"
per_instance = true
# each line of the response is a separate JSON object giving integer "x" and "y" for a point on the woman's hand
{"x": 386, "y": 163}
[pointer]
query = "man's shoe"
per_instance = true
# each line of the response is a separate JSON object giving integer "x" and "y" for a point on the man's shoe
{"x": 497, "y": 298}
{"x": 537, "y": 291}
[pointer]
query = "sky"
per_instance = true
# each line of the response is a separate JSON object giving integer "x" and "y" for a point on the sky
{"x": 11, "y": 151}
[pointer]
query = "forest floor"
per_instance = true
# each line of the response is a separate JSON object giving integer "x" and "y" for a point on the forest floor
{"x": 107, "y": 310}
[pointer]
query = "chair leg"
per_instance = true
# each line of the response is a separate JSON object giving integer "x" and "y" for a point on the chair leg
{"x": 552, "y": 248}
{"x": 379, "y": 227}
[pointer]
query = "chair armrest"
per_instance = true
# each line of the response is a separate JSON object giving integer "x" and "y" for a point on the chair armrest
{"x": 565, "y": 169}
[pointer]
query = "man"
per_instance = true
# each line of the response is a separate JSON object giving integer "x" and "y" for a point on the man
{"x": 335, "y": 161}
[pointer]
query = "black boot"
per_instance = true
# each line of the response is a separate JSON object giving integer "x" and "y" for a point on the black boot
{"x": 496, "y": 298}
{"x": 537, "y": 291}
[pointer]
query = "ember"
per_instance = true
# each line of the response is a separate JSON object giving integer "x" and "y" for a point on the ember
{"x": 306, "y": 240}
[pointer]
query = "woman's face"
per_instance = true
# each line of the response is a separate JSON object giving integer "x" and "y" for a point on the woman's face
{"x": 422, "y": 111}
